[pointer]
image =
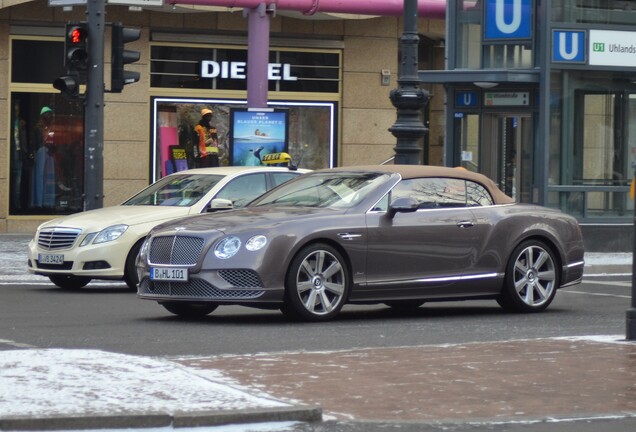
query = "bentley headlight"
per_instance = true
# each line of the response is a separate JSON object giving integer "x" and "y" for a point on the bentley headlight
{"x": 110, "y": 234}
{"x": 228, "y": 247}
{"x": 255, "y": 243}
{"x": 143, "y": 251}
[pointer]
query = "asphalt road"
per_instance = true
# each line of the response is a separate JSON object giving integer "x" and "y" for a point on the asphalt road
{"x": 110, "y": 317}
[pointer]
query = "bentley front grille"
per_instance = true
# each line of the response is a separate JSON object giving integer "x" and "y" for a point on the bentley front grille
{"x": 241, "y": 278}
{"x": 57, "y": 238}
{"x": 177, "y": 250}
{"x": 193, "y": 289}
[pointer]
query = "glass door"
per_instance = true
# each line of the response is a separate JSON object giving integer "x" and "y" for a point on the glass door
{"x": 604, "y": 148}
{"x": 501, "y": 148}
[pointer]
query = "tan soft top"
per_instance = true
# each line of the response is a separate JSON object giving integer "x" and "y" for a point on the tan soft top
{"x": 417, "y": 171}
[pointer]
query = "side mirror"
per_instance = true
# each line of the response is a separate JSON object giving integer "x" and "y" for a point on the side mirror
{"x": 218, "y": 204}
{"x": 403, "y": 205}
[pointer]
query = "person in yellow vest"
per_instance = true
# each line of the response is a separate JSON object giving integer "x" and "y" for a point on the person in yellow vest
{"x": 208, "y": 140}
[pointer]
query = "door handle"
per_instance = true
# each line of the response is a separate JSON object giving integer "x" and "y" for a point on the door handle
{"x": 465, "y": 224}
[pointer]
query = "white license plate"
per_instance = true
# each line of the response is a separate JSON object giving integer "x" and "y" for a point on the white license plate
{"x": 57, "y": 259}
{"x": 169, "y": 274}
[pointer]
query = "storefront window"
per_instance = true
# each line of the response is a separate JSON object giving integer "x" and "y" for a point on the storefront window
{"x": 593, "y": 12}
{"x": 30, "y": 55}
{"x": 305, "y": 130}
{"x": 47, "y": 154}
{"x": 592, "y": 145}
{"x": 46, "y": 175}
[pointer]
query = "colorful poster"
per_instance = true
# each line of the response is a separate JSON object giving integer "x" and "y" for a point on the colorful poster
{"x": 256, "y": 133}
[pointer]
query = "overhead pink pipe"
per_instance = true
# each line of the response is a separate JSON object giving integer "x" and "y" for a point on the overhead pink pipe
{"x": 426, "y": 8}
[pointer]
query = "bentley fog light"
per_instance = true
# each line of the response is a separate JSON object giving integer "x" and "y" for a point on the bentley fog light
{"x": 255, "y": 243}
{"x": 227, "y": 248}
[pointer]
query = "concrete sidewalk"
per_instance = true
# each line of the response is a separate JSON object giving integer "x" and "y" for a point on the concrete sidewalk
{"x": 65, "y": 389}
{"x": 509, "y": 381}
{"x": 493, "y": 382}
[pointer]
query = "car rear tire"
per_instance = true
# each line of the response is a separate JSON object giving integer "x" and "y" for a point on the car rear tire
{"x": 317, "y": 284}
{"x": 189, "y": 310}
{"x": 130, "y": 270}
{"x": 531, "y": 280}
{"x": 69, "y": 281}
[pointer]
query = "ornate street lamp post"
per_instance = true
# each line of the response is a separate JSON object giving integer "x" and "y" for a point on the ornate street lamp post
{"x": 409, "y": 98}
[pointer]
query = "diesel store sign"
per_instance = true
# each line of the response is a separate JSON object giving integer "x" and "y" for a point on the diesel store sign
{"x": 238, "y": 70}
{"x": 225, "y": 68}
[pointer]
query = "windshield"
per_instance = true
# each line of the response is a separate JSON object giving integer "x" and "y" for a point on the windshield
{"x": 334, "y": 190}
{"x": 180, "y": 190}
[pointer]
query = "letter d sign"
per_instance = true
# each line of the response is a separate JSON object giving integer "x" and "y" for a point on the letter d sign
{"x": 507, "y": 19}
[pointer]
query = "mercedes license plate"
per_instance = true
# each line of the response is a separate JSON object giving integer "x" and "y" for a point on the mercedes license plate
{"x": 169, "y": 274}
{"x": 57, "y": 259}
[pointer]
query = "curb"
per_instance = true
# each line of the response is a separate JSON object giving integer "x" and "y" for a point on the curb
{"x": 302, "y": 413}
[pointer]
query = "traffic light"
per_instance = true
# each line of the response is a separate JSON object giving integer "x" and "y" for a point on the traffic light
{"x": 76, "y": 46}
{"x": 121, "y": 57}
{"x": 75, "y": 58}
{"x": 68, "y": 85}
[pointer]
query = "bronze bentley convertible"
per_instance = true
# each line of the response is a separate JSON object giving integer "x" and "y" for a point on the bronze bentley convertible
{"x": 397, "y": 235}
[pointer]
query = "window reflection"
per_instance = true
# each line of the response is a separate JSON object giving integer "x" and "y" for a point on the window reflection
{"x": 47, "y": 154}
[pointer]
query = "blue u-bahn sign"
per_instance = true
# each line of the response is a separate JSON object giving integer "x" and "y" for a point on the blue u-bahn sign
{"x": 507, "y": 19}
{"x": 568, "y": 46}
{"x": 466, "y": 99}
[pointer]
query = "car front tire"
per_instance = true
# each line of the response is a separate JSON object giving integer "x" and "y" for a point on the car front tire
{"x": 130, "y": 270}
{"x": 531, "y": 280}
{"x": 188, "y": 310}
{"x": 69, "y": 282}
{"x": 317, "y": 284}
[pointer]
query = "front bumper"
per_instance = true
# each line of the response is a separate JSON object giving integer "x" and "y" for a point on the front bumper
{"x": 103, "y": 261}
{"x": 222, "y": 287}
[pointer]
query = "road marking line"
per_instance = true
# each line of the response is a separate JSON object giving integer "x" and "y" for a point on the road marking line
{"x": 16, "y": 344}
{"x": 614, "y": 283}
{"x": 597, "y": 294}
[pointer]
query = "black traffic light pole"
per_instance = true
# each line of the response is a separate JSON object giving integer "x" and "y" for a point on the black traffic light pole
{"x": 94, "y": 109}
{"x": 630, "y": 322}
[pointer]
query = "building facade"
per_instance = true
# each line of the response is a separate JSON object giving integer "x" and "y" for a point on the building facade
{"x": 330, "y": 78}
{"x": 541, "y": 98}
{"x": 537, "y": 94}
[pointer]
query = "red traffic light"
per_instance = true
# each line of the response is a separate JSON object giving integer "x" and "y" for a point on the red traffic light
{"x": 76, "y": 46}
{"x": 77, "y": 35}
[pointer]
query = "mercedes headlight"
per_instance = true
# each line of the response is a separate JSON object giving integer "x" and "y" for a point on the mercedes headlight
{"x": 105, "y": 235}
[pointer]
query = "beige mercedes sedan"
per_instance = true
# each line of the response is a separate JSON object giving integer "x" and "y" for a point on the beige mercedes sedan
{"x": 103, "y": 244}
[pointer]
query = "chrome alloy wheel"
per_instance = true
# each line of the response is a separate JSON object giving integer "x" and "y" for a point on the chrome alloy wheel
{"x": 317, "y": 284}
{"x": 534, "y": 276}
{"x": 320, "y": 282}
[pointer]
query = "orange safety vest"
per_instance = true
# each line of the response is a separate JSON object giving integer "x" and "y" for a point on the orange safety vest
{"x": 204, "y": 135}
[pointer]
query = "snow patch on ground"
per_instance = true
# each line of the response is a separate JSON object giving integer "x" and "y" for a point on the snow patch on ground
{"x": 38, "y": 382}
